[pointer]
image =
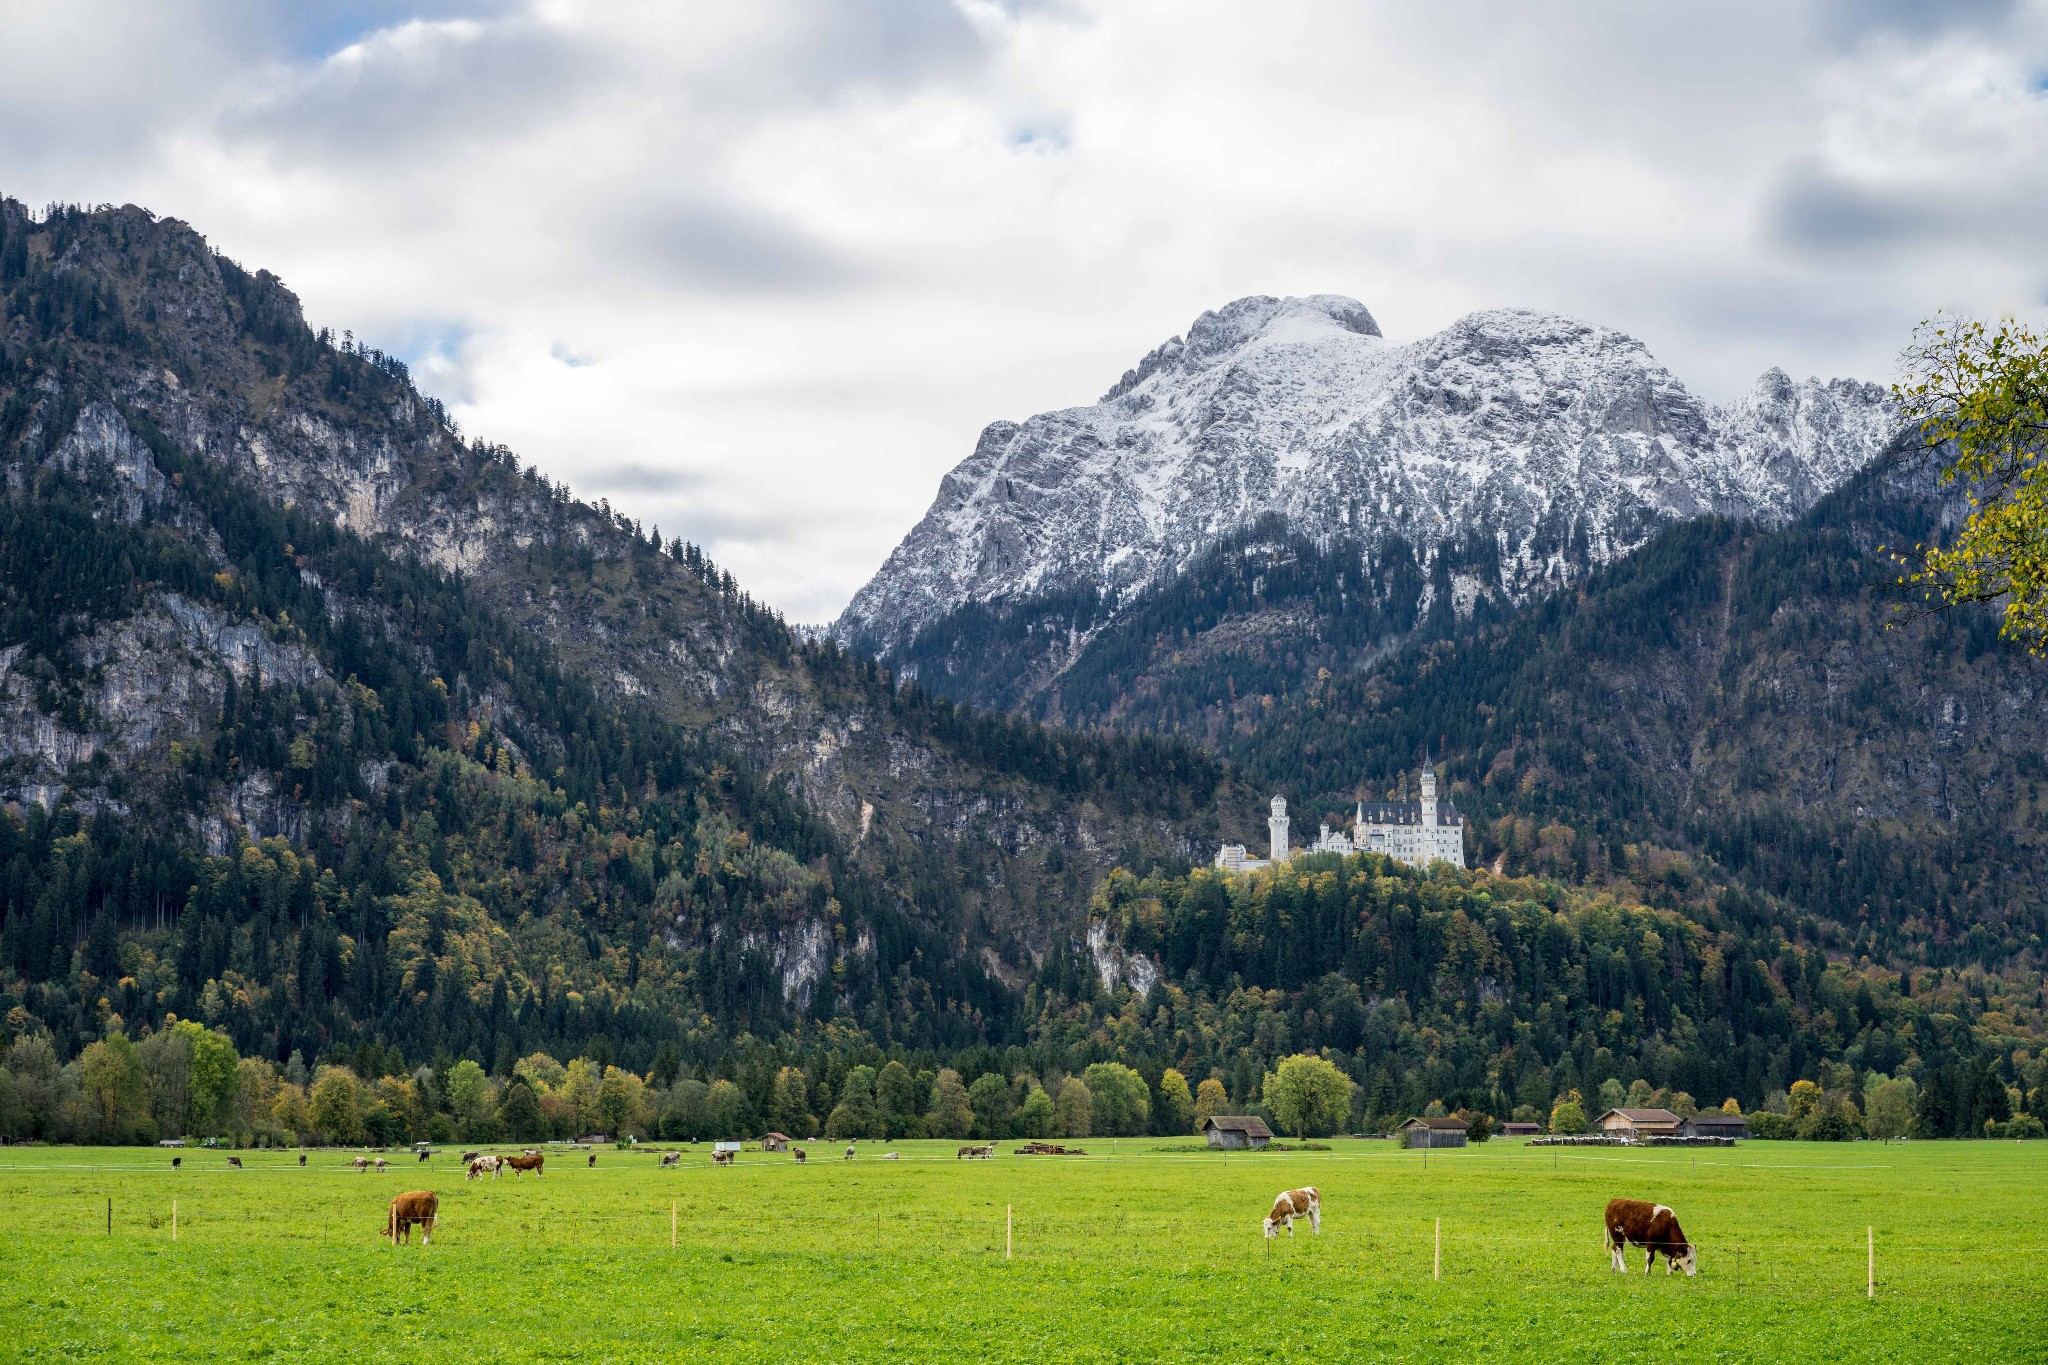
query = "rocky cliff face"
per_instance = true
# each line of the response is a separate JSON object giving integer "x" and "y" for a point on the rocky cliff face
{"x": 1548, "y": 442}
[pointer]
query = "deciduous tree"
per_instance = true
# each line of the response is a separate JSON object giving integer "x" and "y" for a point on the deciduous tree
{"x": 1308, "y": 1095}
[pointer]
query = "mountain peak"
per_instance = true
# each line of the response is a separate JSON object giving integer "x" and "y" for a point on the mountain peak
{"x": 1255, "y": 322}
{"x": 1553, "y": 442}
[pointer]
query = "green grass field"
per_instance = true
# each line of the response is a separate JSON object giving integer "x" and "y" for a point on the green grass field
{"x": 1142, "y": 1250}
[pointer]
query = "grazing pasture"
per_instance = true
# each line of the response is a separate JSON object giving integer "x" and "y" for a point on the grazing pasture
{"x": 1145, "y": 1249}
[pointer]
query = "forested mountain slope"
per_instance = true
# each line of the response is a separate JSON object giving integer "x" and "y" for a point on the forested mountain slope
{"x": 258, "y": 590}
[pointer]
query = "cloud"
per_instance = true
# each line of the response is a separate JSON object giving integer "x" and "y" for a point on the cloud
{"x": 759, "y": 273}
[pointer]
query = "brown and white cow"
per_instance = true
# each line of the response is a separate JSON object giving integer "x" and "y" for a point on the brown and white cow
{"x": 1305, "y": 1202}
{"x": 380, "y": 1163}
{"x": 1652, "y": 1227}
{"x": 235, "y": 1162}
{"x": 522, "y": 1164}
{"x": 593, "y": 1159}
{"x": 302, "y": 1158}
{"x": 970, "y": 1153}
{"x": 721, "y": 1158}
{"x": 361, "y": 1163}
{"x": 849, "y": 1151}
{"x": 414, "y": 1206}
{"x": 798, "y": 1153}
{"x": 480, "y": 1166}
{"x": 671, "y": 1158}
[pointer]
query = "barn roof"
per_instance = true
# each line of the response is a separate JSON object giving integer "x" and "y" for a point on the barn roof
{"x": 1441, "y": 1125}
{"x": 1645, "y": 1115}
{"x": 1249, "y": 1124}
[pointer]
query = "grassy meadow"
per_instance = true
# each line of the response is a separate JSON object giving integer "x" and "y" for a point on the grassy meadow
{"x": 1145, "y": 1249}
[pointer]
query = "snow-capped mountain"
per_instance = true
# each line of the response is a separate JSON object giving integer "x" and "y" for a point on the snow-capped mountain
{"x": 1535, "y": 432}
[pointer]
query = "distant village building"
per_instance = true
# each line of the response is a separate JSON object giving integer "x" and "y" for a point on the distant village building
{"x": 1416, "y": 833}
{"x": 1446, "y": 1132}
{"x": 1518, "y": 1129}
{"x": 1638, "y": 1123}
{"x": 1235, "y": 1132}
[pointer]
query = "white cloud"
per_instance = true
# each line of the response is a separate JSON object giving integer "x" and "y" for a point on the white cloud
{"x": 760, "y": 272}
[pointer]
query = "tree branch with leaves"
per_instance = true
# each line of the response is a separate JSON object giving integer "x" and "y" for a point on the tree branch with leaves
{"x": 1979, "y": 397}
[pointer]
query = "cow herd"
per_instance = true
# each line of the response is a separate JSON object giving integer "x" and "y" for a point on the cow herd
{"x": 1628, "y": 1222}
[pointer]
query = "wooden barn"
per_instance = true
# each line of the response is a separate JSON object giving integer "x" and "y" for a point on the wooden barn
{"x": 1521, "y": 1130}
{"x": 1632, "y": 1124}
{"x": 775, "y": 1142}
{"x": 1236, "y": 1132}
{"x": 1714, "y": 1124}
{"x": 1418, "y": 1133}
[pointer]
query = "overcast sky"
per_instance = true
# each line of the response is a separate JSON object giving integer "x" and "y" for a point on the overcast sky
{"x": 759, "y": 270}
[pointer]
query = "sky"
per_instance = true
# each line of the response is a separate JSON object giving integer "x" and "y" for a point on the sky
{"x": 760, "y": 272}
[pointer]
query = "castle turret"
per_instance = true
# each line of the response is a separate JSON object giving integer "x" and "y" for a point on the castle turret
{"x": 1277, "y": 826}
{"x": 1428, "y": 796}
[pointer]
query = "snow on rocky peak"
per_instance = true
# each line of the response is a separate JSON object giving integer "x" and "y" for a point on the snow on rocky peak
{"x": 1535, "y": 432}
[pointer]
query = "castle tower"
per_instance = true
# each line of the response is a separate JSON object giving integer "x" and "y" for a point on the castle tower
{"x": 1429, "y": 796}
{"x": 1277, "y": 826}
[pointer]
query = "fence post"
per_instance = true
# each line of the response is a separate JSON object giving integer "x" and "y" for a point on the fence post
{"x": 1008, "y": 1223}
{"x": 174, "y": 1220}
{"x": 1870, "y": 1262}
{"x": 671, "y": 1225}
{"x": 110, "y": 1216}
{"x": 1437, "y": 1265}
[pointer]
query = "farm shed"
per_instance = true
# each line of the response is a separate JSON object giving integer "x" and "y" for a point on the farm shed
{"x": 775, "y": 1142}
{"x": 1521, "y": 1129}
{"x": 1638, "y": 1123}
{"x": 1236, "y": 1132}
{"x": 1420, "y": 1133}
{"x": 1714, "y": 1125}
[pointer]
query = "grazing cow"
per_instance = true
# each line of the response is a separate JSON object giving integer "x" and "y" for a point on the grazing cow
{"x": 522, "y": 1164}
{"x": 361, "y": 1163}
{"x": 798, "y": 1153}
{"x": 849, "y": 1151}
{"x": 892, "y": 1156}
{"x": 985, "y": 1151}
{"x": 415, "y": 1206}
{"x": 1305, "y": 1202}
{"x": 176, "y": 1162}
{"x": 1653, "y": 1228}
{"x": 721, "y": 1158}
{"x": 235, "y": 1162}
{"x": 593, "y": 1158}
{"x": 425, "y": 1155}
{"x": 380, "y": 1164}
{"x": 468, "y": 1157}
{"x": 302, "y": 1158}
{"x": 481, "y": 1166}
{"x": 671, "y": 1158}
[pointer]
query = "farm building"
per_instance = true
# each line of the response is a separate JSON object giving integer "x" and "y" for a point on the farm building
{"x": 726, "y": 1145}
{"x": 1638, "y": 1123}
{"x": 1714, "y": 1125}
{"x": 1419, "y": 1133}
{"x": 1236, "y": 1132}
{"x": 1521, "y": 1129}
{"x": 775, "y": 1142}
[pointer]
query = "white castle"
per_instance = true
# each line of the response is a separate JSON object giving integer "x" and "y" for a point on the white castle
{"x": 1417, "y": 833}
